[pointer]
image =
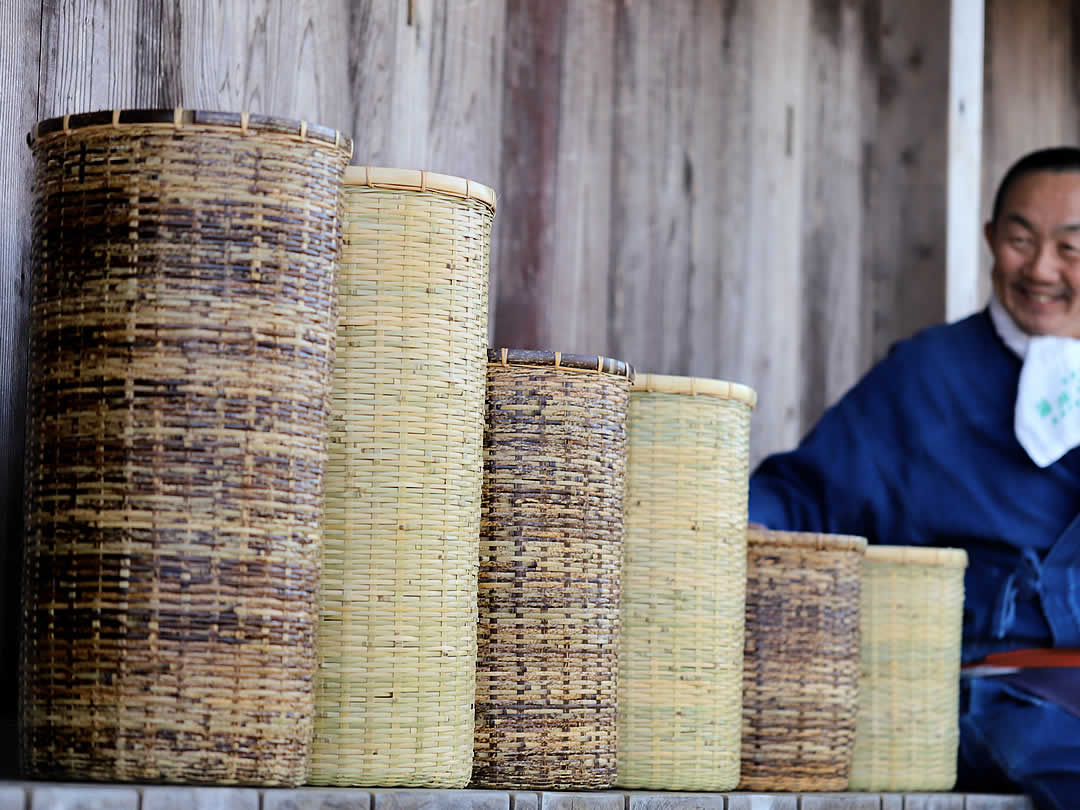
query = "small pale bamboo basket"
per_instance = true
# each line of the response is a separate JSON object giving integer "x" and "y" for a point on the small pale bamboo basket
{"x": 684, "y": 584}
{"x": 181, "y": 342}
{"x": 550, "y": 566}
{"x": 907, "y": 731}
{"x": 397, "y": 633}
{"x": 801, "y": 668}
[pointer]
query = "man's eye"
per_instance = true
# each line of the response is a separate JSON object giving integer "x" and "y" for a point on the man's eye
{"x": 1070, "y": 250}
{"x": 1020, "y": 241}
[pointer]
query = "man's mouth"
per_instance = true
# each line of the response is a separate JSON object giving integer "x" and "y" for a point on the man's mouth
{"x": 1041, "y": 296}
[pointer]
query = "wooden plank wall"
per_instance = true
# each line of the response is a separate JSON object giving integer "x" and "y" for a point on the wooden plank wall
{"x": 1032, "y": 88}
{"x": 19, "y": 26}
{"x": 745, "y": 189}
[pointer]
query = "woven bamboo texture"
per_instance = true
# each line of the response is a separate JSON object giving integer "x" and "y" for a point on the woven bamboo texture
{"x": 397, "y": 633}
{"x": 550, "y": 563}
{"x": 684, "y": 583}
{"x": 912, "y": 611}
{"x": 181, "y": 343}
{"x": 801, "y": 668}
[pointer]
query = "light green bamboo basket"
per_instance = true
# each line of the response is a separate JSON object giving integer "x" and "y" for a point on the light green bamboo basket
{"x": 684, "y": 584}
{"x": 397, "y": 633}
{"x": 907, "y": 728}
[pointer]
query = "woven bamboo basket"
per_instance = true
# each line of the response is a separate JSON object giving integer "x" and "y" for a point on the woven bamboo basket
{"x": 181, "y": 341}
{"x": 550, "y": 563}
{"x": 801, "y": 668}
{"x": 907, "y": 730}
{"x": 397, "y": 632}
{"x": 684, "y": 583}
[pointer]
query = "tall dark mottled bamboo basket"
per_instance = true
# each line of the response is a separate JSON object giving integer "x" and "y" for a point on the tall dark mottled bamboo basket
{"x": 550, "y": 566}
{"x": 801, "y": 665}
{"x": 181, "y": 341}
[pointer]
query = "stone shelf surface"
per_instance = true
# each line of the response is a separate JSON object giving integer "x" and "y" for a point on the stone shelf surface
{"x": 72, "y": 796}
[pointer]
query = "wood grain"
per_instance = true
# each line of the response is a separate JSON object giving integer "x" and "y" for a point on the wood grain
{"x": 934, "y": 801}
{"x": 840, "y": 801}
{"x": 718, "y": 176}
{"x": 20, "y": 23}
{"x": 833, "y": 221}
{"x": 773, "y": 270}
{"x": 762, "y": 801}
{"x": 974, "y": 801}
{"x": 426, "y": 94}
{"x": 657, "y": 86}
{"x": 905, "y": 263}
{"x": 257, "y": 56}
{"x": 577, "y": 314}
{"x": 524, "y": 254}
{"x": 84, "y": 43}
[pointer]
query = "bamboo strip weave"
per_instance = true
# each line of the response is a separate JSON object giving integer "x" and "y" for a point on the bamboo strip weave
{"x": 684, "y": 584}
{"x": 907, "y": 730}
{"x": 181, "y": 343}
{"x": 802, "y": 660}
{"x": 397, "y": 635}
{"x": 550, "y": 566}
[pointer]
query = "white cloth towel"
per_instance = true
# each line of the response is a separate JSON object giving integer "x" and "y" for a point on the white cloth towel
{"x": 1046, "y": 418}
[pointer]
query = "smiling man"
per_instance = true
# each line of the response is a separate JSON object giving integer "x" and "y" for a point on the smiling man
{"x": 966, "y": 436}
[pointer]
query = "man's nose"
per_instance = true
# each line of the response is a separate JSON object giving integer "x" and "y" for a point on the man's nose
{"x": 1044, "y": 265}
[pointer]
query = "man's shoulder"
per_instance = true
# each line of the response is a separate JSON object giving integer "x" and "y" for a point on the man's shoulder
{"x": 940, "y": 357}
{"x": 948, "y": 344}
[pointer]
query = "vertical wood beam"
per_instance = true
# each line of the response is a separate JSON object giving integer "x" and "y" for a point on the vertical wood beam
{"x": 20, "y": 51}
{"x": 965, "y": 158}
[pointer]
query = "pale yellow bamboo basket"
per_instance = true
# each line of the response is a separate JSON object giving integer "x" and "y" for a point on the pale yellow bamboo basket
{"x": 684, "y": 584}
{"x": 907, "y": 729}
{"x": 397, "y": 632}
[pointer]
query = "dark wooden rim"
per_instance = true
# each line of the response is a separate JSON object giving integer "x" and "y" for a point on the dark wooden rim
{"x": 576, "y": 362}
{"x": 180, "y": 117}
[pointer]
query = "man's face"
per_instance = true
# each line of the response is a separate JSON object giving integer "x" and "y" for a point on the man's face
{"x": 1036, "y": 247}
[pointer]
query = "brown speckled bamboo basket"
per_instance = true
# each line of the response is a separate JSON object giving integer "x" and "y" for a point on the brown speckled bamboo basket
{"x": 801, "y": 669}
{"x": 684, "y": 582}
{"x": 181, "y": 340}
{"x": 397, "y": 636}
{"x": 550, "y": 563}
{"x": 907, "y": 730}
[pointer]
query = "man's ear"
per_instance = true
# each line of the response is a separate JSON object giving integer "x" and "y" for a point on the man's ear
{"x": 988, "y": 232}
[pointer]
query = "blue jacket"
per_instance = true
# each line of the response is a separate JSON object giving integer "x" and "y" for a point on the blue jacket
{"x": 922, "y": 452}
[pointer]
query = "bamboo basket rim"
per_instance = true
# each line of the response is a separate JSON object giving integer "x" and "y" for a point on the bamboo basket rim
{"x": 570, "y": 362}
{"x": 694, "y": 386}
{"x": 918, "y": 555}
{"x": 816, "y": 541}
{"x": 179, "y": 117}
{"x": 420, "y": 180}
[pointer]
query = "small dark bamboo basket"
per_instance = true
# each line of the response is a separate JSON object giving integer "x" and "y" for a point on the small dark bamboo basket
{"x": 550, "y": 567}
{"x": 181, "y": 342}
{"x": 801, "y": 662}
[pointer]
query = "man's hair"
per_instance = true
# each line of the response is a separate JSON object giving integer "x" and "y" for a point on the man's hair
{"x": 1054, "y": 159}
